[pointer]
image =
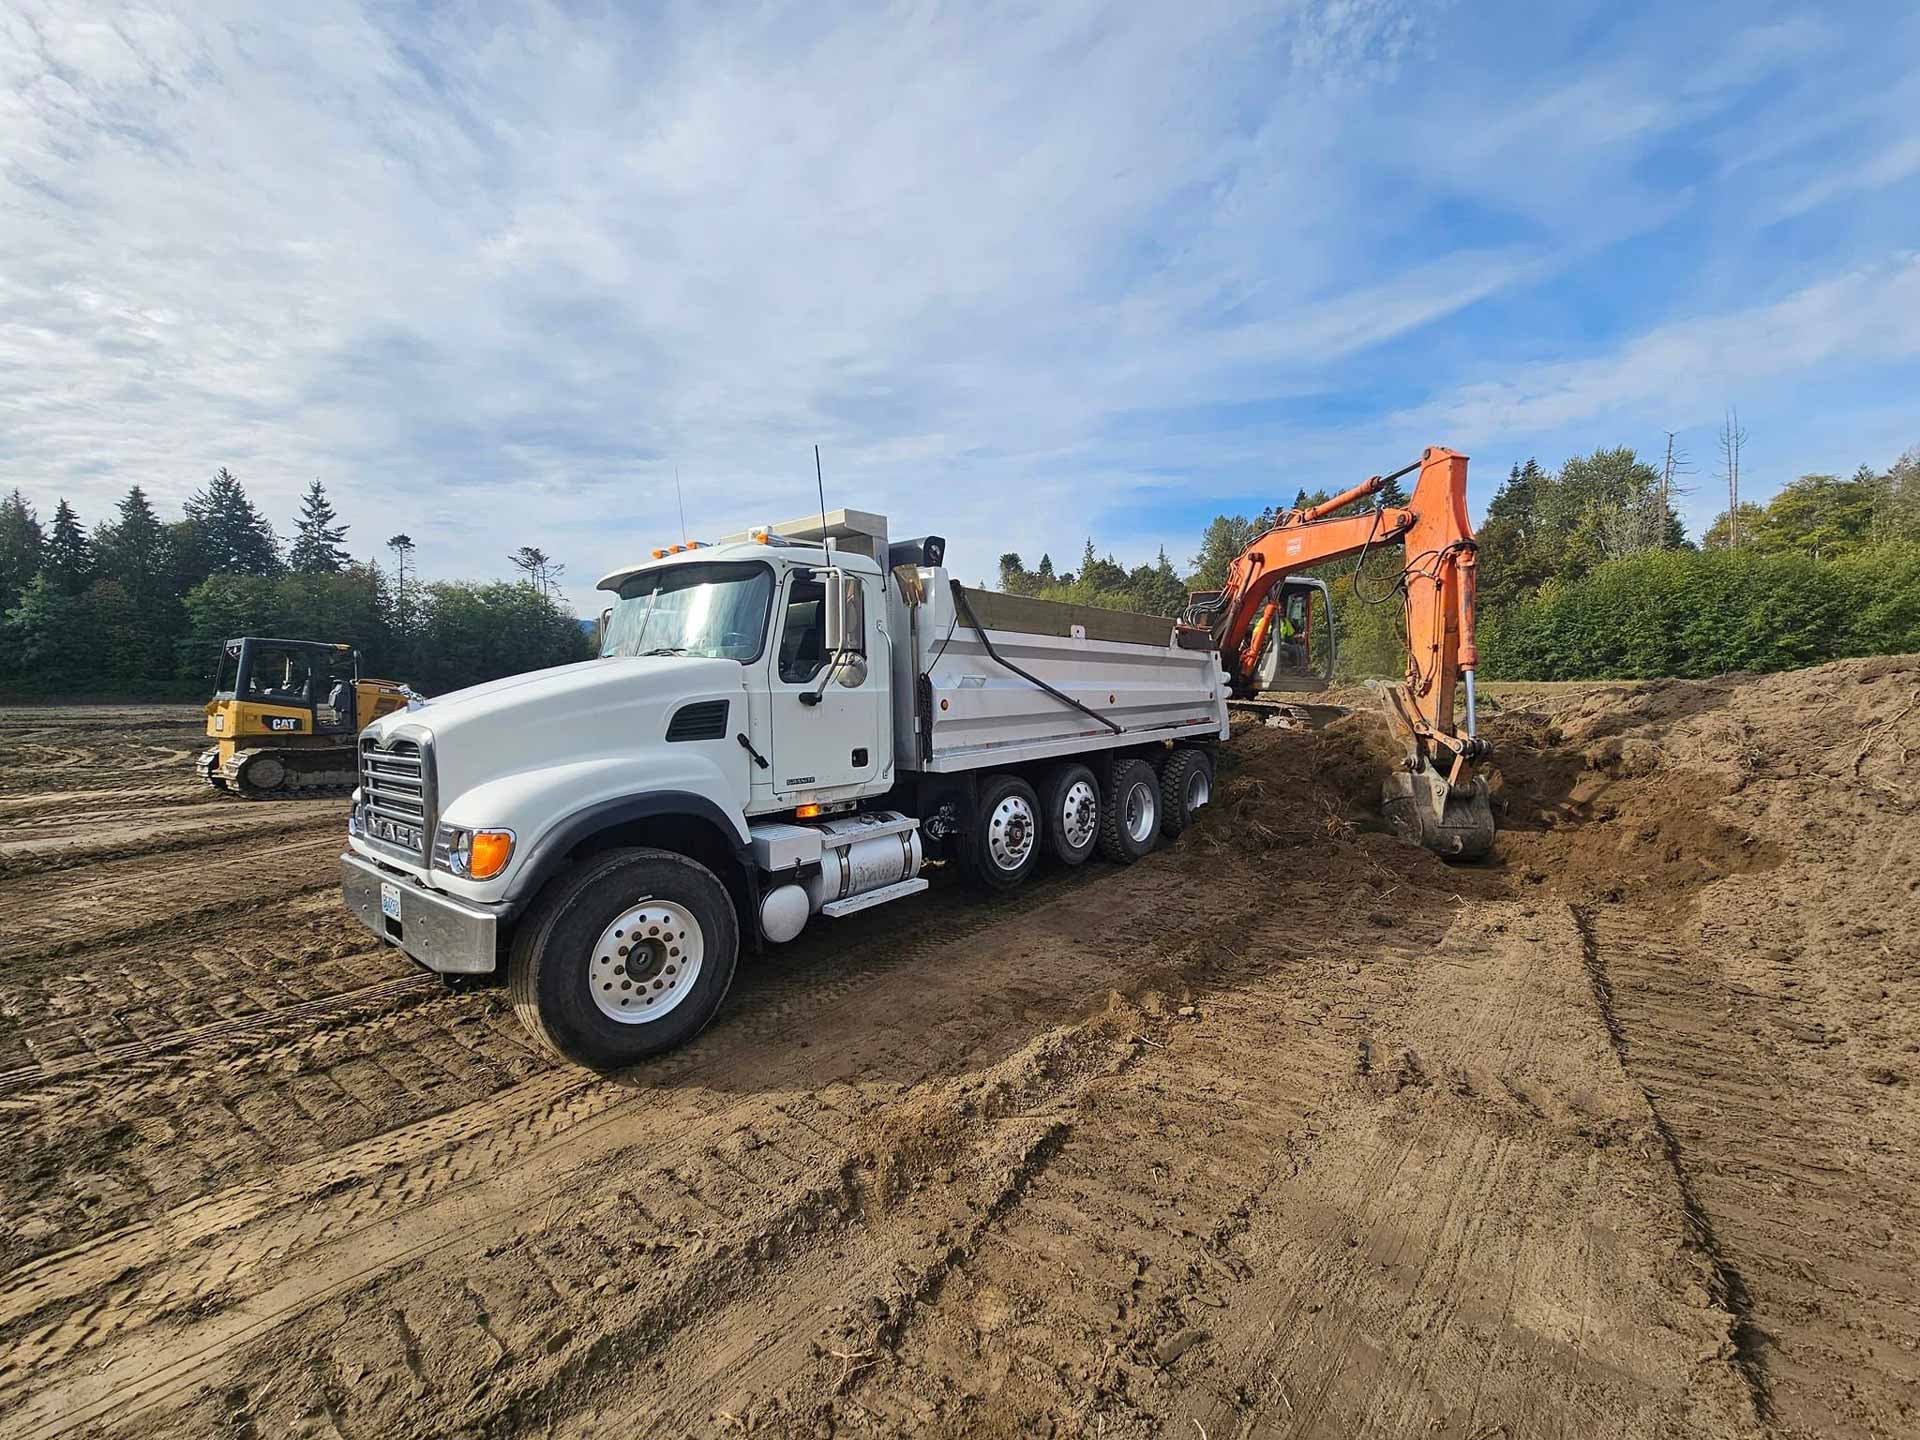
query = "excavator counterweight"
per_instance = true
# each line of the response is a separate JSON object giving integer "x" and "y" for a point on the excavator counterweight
{"x": 1434, "y": 799}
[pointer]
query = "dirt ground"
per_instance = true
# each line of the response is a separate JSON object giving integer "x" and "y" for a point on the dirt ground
{"x": 1290, "y": 1130}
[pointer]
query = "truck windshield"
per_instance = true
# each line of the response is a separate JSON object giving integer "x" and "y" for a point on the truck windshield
{"x": 718, "y": 610}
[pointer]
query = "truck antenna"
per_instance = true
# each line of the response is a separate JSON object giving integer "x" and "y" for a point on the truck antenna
{"x": 826, "y": 545}
{"x": 680, "y": 500}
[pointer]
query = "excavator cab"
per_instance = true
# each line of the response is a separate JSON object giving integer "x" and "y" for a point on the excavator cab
{"x": 285, "y": 714}
{"x": 1296, "y": 643}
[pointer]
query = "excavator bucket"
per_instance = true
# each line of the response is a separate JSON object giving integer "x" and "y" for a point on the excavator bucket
{"x": 1455, "y": 822}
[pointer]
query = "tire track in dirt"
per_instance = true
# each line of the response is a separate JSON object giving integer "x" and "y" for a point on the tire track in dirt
{"x": 96, "y": 839}
{"x": 1729, "y": 1287}
{"x": 185, "y": 1258}
{"x": 135, "y": 1060}
{"x": 56, "y": 914}
{"x": 1395, "y": 1227}
{"x": 1783, "y": 1200}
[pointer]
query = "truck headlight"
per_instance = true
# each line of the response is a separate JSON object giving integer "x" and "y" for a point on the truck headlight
{"x": 472, "y": 854}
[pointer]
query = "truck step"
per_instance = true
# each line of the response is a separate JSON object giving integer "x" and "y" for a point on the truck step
{"x": 855, "y": 903}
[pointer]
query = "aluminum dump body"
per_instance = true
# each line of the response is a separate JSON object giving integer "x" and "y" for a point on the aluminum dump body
{"x": 975, "y": 709}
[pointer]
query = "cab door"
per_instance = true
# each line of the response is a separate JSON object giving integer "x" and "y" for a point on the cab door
{"x": 827, "y": 736}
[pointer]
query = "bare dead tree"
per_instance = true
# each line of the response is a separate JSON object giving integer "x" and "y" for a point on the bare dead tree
{"x": 1677, "y": 463}
{"x": 1733, "y": 439}
{"x": 539, "y": 567}
{"x": 402, "y": 547}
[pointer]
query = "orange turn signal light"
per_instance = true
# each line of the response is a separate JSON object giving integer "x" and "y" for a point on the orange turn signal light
{"x": 489, "y": 853}
{"x": 805, "y": 812}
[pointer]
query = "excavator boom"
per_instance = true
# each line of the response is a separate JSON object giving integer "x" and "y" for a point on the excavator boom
{"x": 1435, "y": 798}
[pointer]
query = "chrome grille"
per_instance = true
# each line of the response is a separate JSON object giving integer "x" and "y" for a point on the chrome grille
{"x": 393, "y": 796}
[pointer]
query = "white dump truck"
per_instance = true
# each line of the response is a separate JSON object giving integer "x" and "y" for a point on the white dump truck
{"x": 787, "y": 724}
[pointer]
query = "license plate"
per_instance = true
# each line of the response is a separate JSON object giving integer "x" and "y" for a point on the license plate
{"x": 389, "y": 900}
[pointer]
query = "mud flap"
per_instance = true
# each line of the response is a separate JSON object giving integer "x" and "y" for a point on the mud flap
{"x": 1456, "y": 824}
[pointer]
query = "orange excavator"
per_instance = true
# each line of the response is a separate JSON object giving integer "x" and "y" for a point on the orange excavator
{"x": 1434, "y": 798}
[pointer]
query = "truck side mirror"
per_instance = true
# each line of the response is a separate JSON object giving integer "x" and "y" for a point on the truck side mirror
{"x": 834, "y": 599}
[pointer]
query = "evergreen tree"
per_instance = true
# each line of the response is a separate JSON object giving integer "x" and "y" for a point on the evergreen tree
{"x": 1224, "y": 538}
{"x": 316, "y": 546}
{"x": 1012, "y": 574}
{"x": 46, "y": 637}
{"x": 132, "y": 549}
{"x": 68, "y": 561}
{"x": 137, "y": 593}
{"x": 21, "y": 547}
{"x": 1513, "y": 561}
{"x": 1045, "y": 573}
{"x": 233, "y": 537}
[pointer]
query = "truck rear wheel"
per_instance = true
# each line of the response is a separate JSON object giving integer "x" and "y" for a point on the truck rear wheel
{"x": 1072, "y": 801}
{"x": 1186, "y": 785}
{"x": 1006, "y": 833}
{"x": 1131, "y": 825}
{"x": 627, "y": 956}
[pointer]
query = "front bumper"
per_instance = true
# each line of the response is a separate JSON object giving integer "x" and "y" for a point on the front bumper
{"x": 453, "y": 937}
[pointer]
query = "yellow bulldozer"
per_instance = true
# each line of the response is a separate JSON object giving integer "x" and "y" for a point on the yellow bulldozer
{"x": 285, "y": 717}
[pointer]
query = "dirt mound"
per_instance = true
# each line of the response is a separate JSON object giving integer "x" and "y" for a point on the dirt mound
{"x": 1612, "y": 818}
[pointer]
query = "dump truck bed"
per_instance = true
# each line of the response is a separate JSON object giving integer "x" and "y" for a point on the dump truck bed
{"x": 975, "y": 708}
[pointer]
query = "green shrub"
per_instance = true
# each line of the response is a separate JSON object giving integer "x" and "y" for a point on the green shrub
{"x": 1692, "y": 613}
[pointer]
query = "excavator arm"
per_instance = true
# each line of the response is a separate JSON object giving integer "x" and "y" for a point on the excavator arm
{"x": 1434, "y": 798}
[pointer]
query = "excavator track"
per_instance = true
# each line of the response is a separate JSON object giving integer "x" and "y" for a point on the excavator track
{"x": 269, "y": 773}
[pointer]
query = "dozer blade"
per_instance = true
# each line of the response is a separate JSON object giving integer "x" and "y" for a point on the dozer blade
{"x": 1455, "y": 823}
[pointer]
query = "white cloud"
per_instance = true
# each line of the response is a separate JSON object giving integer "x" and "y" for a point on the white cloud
{"x": 1869, "y": 317}
{"x": 492, "y": 275}
{"x": 1887, "y": 166}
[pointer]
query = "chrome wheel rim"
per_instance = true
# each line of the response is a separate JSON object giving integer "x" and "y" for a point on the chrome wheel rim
{"x": 1079, "y": 814}
{"x": 1010, "y": 832}
{"x": 646, "y": 962}
{"x": 1198, "y": 790}
{"x": 1141, "y": 812}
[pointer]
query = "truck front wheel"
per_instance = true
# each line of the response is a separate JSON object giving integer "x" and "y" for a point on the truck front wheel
{"x": 627, "y": 956}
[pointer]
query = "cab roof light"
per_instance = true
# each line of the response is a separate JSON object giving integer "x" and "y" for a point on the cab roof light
{"x": 659, "y": 554}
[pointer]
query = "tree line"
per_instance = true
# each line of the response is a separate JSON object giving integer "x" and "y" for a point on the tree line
{"x": 140, "y": 606}
{"x": 1587, "y": 572}
{"x": 1828, "y": 568}
{"x": 1584, "y": 572}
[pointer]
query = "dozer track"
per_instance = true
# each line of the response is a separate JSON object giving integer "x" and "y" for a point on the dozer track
{"x": 277, "y": 773}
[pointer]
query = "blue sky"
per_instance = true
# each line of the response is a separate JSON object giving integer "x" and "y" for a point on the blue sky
{"x": 1024, "y": 272}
